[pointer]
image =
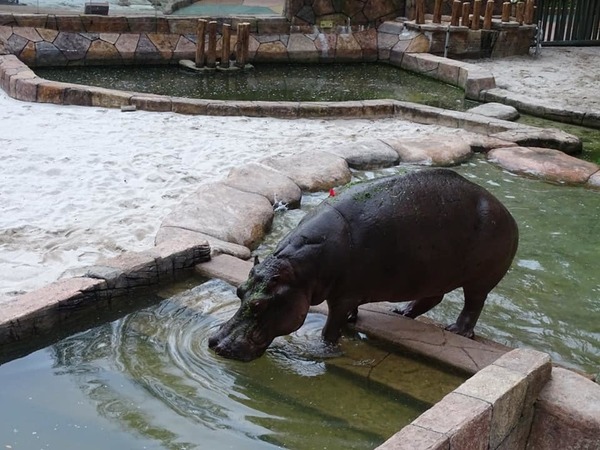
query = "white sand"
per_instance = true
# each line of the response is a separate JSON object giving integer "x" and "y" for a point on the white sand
{"x": 560, "y": 76}
{"x": 77, "y": 183}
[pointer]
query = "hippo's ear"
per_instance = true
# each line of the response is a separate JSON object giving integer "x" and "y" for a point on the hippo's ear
{"x": 256, "y": 261}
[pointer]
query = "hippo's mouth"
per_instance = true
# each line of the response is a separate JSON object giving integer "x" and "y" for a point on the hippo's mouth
{"x": 240, "y": 345}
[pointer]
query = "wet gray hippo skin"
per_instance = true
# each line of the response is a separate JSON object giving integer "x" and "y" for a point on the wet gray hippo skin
{"x": 403, "y": 238}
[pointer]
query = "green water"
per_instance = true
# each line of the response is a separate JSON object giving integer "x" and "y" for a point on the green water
{"x": 590, "y": 137}
{"x": 550, "y": 299}
{"x": 272, "y": 82}
{"x": 148, "y": 380}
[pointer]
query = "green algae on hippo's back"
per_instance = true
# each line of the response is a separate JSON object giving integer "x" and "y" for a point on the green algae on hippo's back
{"x": 405, "y": 238}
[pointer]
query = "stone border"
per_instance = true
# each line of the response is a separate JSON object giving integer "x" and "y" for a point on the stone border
{"x": 539, "y": 108}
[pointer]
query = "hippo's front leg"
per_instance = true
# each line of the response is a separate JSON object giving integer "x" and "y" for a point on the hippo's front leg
{"x": 337, "y": 316}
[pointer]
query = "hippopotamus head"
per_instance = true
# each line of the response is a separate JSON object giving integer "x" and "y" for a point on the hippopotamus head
{"x": 273, "y": 304}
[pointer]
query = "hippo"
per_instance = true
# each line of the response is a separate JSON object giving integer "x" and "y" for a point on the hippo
{"x": 410, "y": 238}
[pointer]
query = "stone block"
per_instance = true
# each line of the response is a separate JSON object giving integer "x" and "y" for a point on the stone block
{"x": 40, "y": 310}
{"x": 227, "y": 268}
{"x": 478, "y": 81}
{"x": 225, "y": 213}
{"x": 542, "y": 137}
{"x": 377, "y": 108}
{"x": 412, "y": 437}
{"x": 567, "y": 414}
{"x": 51, "y": 92}
{"x": 189, "y": 106}
{"x": 180, "y": 253}
{"x": 496, "y": 110}
{"x": 166, "y": 234}
{"x": 594, "y": 180}
{"x": 464, "y": 420}
{"x": 312, "y": 171}
{"x": 263, "y": 180}
{"x": 448, "y": 72}
{"x": 148, "y": 102}
{"x": 431, "y": 150}
{"x": 535, "y": 366}
{"x": 284, "y": 110}
{"x": 127, "y": 271}
{"x": 77, "y": 95}
{"x": 26, "y": 89}
{"x": 109, "y": 98}
{"x": 366, "y": 154}
{"x": 302, "y": 49}
{"x": 505, "y": 390}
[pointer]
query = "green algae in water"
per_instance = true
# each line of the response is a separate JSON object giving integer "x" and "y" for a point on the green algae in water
{"x": 272, "y": 82}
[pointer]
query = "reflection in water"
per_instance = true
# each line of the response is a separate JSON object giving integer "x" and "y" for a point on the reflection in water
{"x": 153, "y": 373}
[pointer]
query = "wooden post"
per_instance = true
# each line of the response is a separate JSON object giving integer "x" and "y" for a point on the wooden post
{"x": 529, "y": 12}
{"x": 487, "y": 18}
{"x": 506, "y": 11}
{"x": 437, "y": 11}
{"x": 466, "y": 9}
{"x": 225, "y": 45}
{"x": 200, "y": 33}
{"x": 476, "y": 20}
{"x": 241, "y": 47}
{"x": 520, "y": 12}
{"x": 455, "y": 13}
{"x": 420, "y": 15}
{"x": 211, "y": 51}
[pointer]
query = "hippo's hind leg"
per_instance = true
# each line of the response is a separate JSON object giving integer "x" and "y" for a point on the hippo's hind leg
{"x": 418, "y": 307}
{"x": 467, "y": 319}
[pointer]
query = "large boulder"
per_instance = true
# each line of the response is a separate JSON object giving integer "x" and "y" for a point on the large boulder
{"x": 543, "y": 163}
{"x": 312, "y": 171}
{"x": 542, "y": 137}
{"x": 496, "y": 110}
{"x": 366, "y": 154}
{"x": 224, "y": 213}
{"x": 260, "y": 179}
{"x": 432, "y": 150}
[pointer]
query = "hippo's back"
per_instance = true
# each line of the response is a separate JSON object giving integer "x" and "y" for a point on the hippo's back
{"x": 427, "y": 227}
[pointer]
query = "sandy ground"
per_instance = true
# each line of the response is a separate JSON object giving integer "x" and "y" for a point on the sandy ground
{"x": 561, "y": 76}
{"x": 77, "y": 183}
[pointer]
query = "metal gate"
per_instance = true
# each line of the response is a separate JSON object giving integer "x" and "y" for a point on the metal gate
{"x": 569, "y": 22}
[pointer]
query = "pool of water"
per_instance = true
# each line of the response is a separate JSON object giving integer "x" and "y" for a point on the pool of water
{"x": 272, "y": 82}
{"x": 550, "y": 299}
{"x": 148, "y": 381}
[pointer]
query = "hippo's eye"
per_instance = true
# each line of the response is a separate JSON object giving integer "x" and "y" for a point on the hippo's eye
{"x": 259, "y": 306}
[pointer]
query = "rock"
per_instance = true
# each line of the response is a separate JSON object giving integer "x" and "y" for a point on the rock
{"x": 168, "y": 233}
{"x": 367, "y": 154}
{"x": 312, "y": 171}
{"x": 567, "y": 414}
{"x": 543, "y": 163}
{"x": 260, "y": 179}
{"x": 224, "y": 213}
{"x": 432, "y": 150}
{"x": 4, "y": 47}
{"x": 594, "y": 180}
{"x": 496, "y": 110}
{"x": 542, "y": 137}
{"x": 480, "y": 143}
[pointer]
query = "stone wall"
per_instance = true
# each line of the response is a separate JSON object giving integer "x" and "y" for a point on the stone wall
{"x": 359, "y": 12}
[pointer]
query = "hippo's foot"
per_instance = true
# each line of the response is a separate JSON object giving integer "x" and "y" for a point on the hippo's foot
{"x": 454, "y": 328}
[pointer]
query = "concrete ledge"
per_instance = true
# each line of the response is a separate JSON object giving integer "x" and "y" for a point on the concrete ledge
{"x": 567, "y": 414}
{"x": 488, "y": 411}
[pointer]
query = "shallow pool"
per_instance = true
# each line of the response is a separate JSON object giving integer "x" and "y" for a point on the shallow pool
{"x": 148, "y": 380}
{"x": 272, "y": 82}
